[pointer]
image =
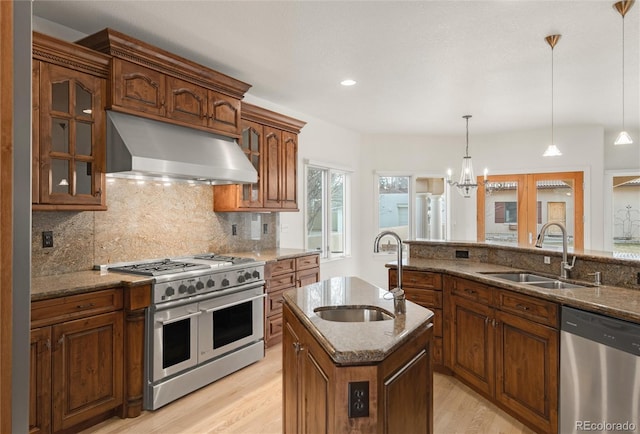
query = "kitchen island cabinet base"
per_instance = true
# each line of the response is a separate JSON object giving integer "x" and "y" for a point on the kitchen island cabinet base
{"x": 316, "y": 389}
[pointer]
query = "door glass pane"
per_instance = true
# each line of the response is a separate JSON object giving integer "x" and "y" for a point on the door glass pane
{"x": 501, "y": 212}
{"x": 83, "y": 177}
{"x": 83, "y": 101}
{"x": 336, "y": 238}
{"x": 626, "y": 217}
{"x": 60, "y": 176}
{"x": 393, "y": 208}
{"x": 315, "y": 213}
{"x": 254, "y": 141}
{"x": 83, "y": 138}
{"x": 555, "y": 203}
{"x": 59, "y": 135}
{"x": 60, "y": 96}
{"x": 430, "y": 209}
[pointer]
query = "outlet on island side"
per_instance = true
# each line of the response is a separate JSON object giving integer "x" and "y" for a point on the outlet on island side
{"x": 462, "y": 254}
{"x": 359, "y": 399}
{"x": 638, "y": 279}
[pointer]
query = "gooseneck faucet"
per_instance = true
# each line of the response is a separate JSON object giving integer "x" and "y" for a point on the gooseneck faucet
{"x": 399, "y": 304}
{"x": 564, "y": 265}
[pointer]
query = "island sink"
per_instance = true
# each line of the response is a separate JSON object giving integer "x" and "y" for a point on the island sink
{"x": 353, "y": 313}
{"x": 521, "y": 277}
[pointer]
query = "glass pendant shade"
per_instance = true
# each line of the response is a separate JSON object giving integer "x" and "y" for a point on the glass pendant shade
{"x": 467, "y": 183}
{"x": 623, "y": 139}
{"x": 552, "y": 151}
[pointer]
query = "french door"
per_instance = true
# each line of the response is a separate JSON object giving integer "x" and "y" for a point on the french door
{"x": 513, "y": 208}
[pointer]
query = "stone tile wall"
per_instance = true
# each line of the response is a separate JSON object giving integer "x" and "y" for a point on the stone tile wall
{"x": 145, "y": 221}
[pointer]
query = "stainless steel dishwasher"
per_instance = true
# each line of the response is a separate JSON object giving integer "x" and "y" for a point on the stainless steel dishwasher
{"x": 599, "y": 373}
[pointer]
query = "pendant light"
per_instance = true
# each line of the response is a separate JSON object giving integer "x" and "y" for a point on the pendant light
{"x": 623, "y": 7}
{"x": 552, "y": 150}
{"x": 467, "y": 183}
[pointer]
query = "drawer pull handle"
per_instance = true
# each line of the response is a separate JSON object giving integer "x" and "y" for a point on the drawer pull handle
{"x": 85, "y": 306}
{"x": 470, "y": 291}
{"x": 522, "y": 306}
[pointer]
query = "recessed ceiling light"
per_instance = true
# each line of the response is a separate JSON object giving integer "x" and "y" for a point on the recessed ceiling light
{"x": 348, "y": 82}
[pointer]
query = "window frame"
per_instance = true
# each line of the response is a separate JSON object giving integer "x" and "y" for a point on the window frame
{"x": 326, "y": 230}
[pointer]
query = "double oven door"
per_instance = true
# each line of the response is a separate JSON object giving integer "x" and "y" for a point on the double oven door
{"x": 190, "y": 334}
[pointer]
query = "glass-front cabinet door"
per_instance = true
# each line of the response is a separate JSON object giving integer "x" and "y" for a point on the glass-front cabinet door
{"x": 251, "y": 144}
{"x": 72, "y": 137}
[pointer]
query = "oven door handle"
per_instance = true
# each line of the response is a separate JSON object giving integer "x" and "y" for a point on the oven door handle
{"x": 180, "y": 318}
{"x": 235, "y": 303}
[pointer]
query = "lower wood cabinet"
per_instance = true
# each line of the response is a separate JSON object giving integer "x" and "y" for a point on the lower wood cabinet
{"x": 77, "y": 375}
{"x": 505, "y": 345}
{"x": 316, "y": 390}
{"x": 425, "y": 288}
{"x": 280, "y": 276}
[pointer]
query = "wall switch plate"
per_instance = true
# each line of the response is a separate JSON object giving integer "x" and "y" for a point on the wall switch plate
{"x": 547, "y": 259}
{"x": 265, "y": 228}
{"x": 47, "y": 239}
{"x": 462, "y": 254}
{"x": 359, "y": 399}
{"x": 234, "y": 229}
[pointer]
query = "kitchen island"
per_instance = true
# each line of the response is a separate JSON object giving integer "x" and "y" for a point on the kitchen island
{"x": 365, "y": 376}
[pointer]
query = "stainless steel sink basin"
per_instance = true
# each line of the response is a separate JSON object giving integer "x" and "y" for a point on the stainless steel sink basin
{"x": 556, "y": 284}
{"x": 353, "y": 313}
{"x": 521, "y": 277}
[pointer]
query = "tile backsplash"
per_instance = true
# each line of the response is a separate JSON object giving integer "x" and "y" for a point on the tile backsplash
{"x": 145, "y": 221}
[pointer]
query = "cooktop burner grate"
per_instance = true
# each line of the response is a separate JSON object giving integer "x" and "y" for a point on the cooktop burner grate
{"x": 157, "y": 268}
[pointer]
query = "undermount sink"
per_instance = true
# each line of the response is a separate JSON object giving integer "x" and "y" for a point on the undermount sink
{"x": 521, "y": 277}
{"x": 556, "y": 284}
{"x": 535, "y": 280}
{"x": 353, "y": 313}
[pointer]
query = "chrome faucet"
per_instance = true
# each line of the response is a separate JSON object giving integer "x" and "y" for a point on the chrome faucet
{"x": 564, "y": 265}
{"x": 399, "y": 304}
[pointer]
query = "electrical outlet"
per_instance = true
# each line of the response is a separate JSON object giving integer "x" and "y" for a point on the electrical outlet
{"x": 638, "y": 277}
{"x": 265, "y": 228}
{"x": 359, "y": 399}
{"x": 47, "y": 239}
{"x": 462, "y": 254}
{"x": 547, "y": 259}
{"x": 234, "y": 229}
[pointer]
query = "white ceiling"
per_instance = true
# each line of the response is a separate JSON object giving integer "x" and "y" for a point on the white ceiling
{"x": 420, "y": 65}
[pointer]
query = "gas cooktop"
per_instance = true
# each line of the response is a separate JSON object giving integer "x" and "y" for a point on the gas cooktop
{"x": 157, "y": 268}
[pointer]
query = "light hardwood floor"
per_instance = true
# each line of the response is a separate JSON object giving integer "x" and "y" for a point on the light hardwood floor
{"x": 250, "y": 402}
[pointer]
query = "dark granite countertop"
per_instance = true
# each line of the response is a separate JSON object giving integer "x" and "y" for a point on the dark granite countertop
{"x": 61, "y": 285}
{"x": 354, "y": 343}
{"x": 271, "y": 255}
{"x": 614, "y": 301}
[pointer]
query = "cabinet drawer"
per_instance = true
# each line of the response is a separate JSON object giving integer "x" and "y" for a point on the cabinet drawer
{"x": 273, "y": 330}
{"x": 472, "y": 290}
{"x": 274, "y": 302}
{"x": 424, "y": 297}
{"x": 281, "y": 266}
{"x": 535, "y": 309}
{"x": 421, "y": 279}
{"x": 280, "y": 282}
{"x": 307, "y": 277}
{"x": 310, "y": 261}
{"x": 61, "y": 309}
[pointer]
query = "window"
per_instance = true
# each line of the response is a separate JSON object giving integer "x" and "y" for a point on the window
{"x": 327, "y": 210}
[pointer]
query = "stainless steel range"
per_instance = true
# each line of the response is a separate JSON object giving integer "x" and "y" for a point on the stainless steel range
{"x": 205, "y": 322}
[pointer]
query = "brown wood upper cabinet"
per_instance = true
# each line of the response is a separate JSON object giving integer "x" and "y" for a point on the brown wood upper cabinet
{"x": 270, "y": 141}
{"x": 69, "y": 88}
{"x": 148, "y": 81}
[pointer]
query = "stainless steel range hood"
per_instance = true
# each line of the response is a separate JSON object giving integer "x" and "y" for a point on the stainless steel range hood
{"x": 142, "y": 147}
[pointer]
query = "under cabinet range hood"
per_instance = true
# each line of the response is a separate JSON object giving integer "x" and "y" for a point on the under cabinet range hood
{"x": 139, "y": 147}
